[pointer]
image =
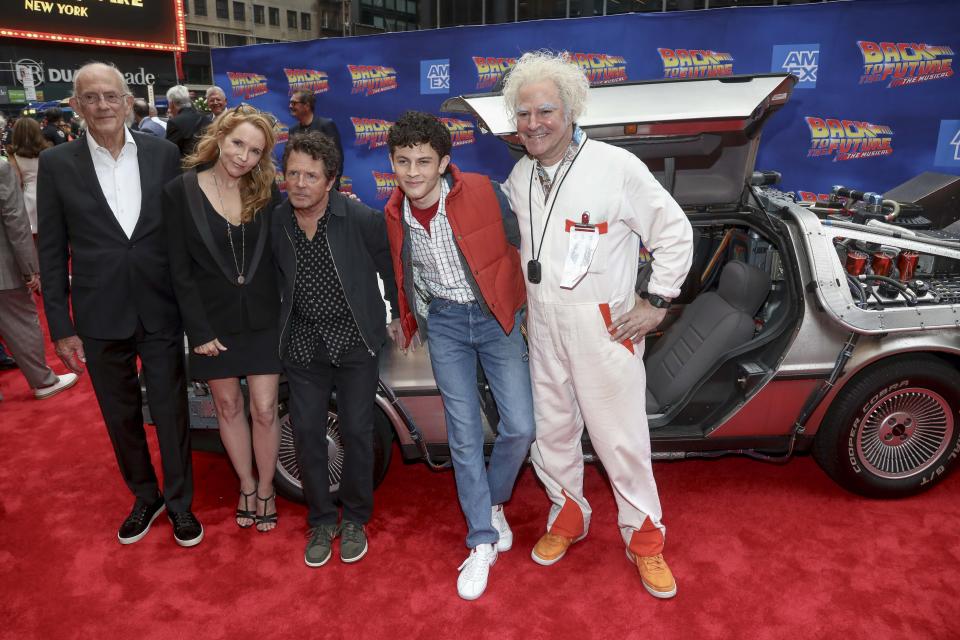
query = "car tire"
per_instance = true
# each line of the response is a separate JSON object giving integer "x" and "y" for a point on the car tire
{"x": 287, "y": 476}
{"x": 893, "y": 430}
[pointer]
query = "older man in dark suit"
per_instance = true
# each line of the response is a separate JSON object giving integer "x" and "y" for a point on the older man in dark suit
{"x": 99, "y": 204}
{"x": 186, "y": 125}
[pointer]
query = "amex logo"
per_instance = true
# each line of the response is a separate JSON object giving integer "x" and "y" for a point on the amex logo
{"x": 435, "y": 76}
{"x": 802, "y": 60}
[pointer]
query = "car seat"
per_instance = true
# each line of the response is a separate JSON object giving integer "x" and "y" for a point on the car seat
{"x": 715, "y": 323}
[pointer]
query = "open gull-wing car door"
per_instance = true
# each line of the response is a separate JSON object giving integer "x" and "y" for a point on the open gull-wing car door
{"x": 699, "y": 137}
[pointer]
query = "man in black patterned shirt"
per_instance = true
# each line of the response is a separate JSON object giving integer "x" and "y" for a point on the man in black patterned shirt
{"x": 329, "y": 250}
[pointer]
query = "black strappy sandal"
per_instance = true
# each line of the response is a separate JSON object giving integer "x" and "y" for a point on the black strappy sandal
{"x": 266, "y": 518}
{"x": 247, "y": 512}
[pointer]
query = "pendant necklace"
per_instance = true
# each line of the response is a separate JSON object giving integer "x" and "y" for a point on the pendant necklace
{"x": 243, "y": 241}
{"x": 534, "y": 271}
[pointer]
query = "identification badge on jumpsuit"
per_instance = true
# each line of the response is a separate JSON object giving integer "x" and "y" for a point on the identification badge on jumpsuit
{"x": 584, "y": 239}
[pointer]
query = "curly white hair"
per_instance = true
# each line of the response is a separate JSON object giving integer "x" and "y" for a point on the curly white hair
{"x": 536, "y": 66}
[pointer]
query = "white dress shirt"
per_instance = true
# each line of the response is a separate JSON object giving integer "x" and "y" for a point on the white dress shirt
{"x": 119, "y": 180}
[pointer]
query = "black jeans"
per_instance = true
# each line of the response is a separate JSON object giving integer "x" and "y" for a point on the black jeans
{"x": 112, "y": 365}
{"x": 355, "y": 380}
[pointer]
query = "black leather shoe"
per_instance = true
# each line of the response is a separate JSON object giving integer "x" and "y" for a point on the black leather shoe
{"x": 187, "y": 530}
{"x": 7, "y": 363}
{"x": 138, "y": 522}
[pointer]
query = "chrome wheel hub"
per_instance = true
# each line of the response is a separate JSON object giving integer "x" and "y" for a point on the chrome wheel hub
{"x": 904, "y": 432}
{"x": 896, "y": 429}
{"x": 289, "y": 466}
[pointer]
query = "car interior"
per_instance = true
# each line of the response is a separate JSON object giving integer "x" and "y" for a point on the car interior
{"x": 716, "y": 322}
{"x": 726, "y": 331}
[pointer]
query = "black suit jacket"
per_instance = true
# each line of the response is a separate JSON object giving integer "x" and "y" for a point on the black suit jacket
{"x": 211, "y": 301}
{"x": 327, "y": 127}
{"x": 116, "y": 280}
{"x": 185, "y": 129}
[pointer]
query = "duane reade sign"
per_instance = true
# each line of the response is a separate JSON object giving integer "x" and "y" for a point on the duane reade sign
{"x": 140, "y": 77}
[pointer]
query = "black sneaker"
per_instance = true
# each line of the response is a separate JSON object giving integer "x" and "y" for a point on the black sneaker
{"x": 138, "y": 522}
{"x": 187, "y": 530}
{"x": 320, "y": 544}
{"x": 353, "y": 541}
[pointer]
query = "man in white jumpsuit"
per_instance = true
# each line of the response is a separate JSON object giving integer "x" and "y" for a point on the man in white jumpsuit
{"x": 584, "y": 207}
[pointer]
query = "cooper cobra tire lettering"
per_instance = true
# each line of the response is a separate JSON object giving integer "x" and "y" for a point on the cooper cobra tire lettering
{"x": 894, "y": 429}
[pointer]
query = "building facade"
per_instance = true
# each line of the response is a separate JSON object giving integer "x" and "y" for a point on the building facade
{"x": 232, "y": 23}
{"x": 448, "y": 13}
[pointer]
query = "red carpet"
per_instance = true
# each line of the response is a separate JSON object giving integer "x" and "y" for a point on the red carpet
{"x": 760, "y": 551}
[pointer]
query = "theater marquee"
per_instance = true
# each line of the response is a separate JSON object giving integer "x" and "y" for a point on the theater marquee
{"x": 156, "y": 25}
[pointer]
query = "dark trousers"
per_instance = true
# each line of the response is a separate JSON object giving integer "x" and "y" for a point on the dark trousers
{"x": 355, "y": 380}
{"x": 112, "y": 365}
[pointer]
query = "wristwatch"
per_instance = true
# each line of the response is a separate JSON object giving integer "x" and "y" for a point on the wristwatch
{"x": 656, "y": 301}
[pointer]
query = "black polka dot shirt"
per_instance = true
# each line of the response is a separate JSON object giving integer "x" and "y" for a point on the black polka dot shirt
{"x": 321, "y": 317}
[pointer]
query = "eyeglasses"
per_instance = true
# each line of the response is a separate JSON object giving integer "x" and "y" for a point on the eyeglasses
{"x": 297, "y": 102}
{"x": 110, "y": 97}
{"x": 308, "y": 177}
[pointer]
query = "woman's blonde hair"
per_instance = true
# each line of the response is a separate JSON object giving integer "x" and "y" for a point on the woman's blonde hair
{"x": 256, "y": 186}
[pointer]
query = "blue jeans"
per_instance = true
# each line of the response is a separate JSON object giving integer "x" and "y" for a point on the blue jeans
{"x": 457, "y": 335}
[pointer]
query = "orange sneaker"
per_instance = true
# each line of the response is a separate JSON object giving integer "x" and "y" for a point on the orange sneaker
{"x": 655, "y": 574}
{"x": 551, "y": 547}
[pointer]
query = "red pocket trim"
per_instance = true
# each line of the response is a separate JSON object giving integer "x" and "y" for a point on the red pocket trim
{"x": 607, "y": 319}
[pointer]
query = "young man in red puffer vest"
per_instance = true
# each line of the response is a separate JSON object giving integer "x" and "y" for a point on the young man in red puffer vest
{"x": 454, "y": 241}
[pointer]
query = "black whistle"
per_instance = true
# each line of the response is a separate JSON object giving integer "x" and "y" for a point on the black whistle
{"x": 533, "y": 271}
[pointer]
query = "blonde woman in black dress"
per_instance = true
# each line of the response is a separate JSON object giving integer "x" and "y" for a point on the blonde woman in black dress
{"x": 223, "y": 274}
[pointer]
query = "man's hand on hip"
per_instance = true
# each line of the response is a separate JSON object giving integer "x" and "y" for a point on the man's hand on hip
{"x": 71, "y": 353}
{"x": 636, "y": 323}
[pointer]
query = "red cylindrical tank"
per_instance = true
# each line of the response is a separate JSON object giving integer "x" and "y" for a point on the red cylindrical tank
{"x": 907, "y": 264}
{"x": 856, "y": 262}
{"x": 882, "y": 263}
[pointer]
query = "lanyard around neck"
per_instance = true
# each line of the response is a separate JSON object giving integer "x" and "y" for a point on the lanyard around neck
{"x": 534, "y": 252}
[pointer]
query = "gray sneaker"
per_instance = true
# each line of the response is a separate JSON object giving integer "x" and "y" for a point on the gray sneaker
{"x": 353, "y": 541}
{"x": 319, "y": 544}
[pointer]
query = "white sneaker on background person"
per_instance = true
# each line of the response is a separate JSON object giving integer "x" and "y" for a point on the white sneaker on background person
{"x": 63, "y": 382}
{"x": 474, "y": 571}
{"x": 499, "y": 521}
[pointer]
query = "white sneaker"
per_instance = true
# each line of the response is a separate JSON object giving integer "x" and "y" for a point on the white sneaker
{"x": 65, "y": 381}
{"x": 499, "y": 520}
{"x": 473, "y": 572}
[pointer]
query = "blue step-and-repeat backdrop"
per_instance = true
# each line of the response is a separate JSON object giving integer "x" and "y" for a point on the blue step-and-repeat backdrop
{"x": 877, "y": 102}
